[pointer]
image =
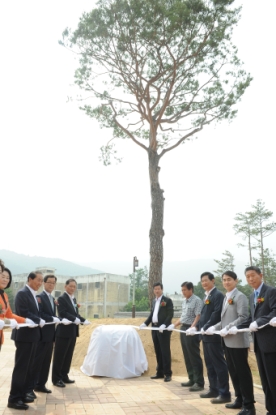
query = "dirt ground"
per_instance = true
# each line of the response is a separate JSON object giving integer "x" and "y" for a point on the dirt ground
{"x": 178, "y": 366}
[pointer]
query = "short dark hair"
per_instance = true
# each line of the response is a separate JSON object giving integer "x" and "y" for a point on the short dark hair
{"x": 45, "y": 279}
{"x": 231, "y": 274}
{"x": 208, "y": 274}
{"x": 32, "y": 276}
{"x": 157, "y": 284}
{"x": 253, "y": 268}
{"x": 71, "y": 280}
{"x": 10, "y": 275}
{"x": 188, "y": 285}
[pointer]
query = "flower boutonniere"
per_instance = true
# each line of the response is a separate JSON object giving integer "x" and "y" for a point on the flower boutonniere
{"x": 56, "y": 303}
{"x": 231, "y": 301}
{"x": 163, "y": 304}
{"x": 207, "y": 301}
{"x": 77, "y": 305}
{"x": 38, "y": 300}
{"x": 260, "y": 300}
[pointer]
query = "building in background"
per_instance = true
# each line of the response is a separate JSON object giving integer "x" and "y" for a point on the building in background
{"x": 99, "y": 295}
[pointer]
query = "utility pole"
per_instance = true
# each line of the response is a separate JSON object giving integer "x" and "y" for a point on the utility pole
{"x": 135, "y": 264}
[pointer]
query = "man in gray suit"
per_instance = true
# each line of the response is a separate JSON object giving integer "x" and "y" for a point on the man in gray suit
{"x": 235, "y": 312}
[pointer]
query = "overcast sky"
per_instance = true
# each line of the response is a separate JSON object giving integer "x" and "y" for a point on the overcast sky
{"x": 58, "y": 200}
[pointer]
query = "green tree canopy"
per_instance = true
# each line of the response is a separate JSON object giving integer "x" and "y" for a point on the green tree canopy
{"x": 157, "y": 72}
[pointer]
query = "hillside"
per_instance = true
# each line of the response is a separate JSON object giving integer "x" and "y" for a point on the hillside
{"x": 19, "y": 263}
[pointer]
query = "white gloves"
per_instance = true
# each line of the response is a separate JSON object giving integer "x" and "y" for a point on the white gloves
{"x": 191, "y": 331}
{"x": 273, "y": 322}
{"x": 223, "y": 332}
{"x": 162, "y": 327}
{"x": 42, "y": 322}
{"x": 56, "y": 320}
{"x": 86, "y": 322}
{"x": 31, "y": 323}
{"x": 210, "y": 331}
{"x": 142, "y": 326}
{"x": 202, "y": 331}
{"x": 233, "y": 330}
{"x": 253, "y": 326}
{"x": 13, "y": 323}
{"x": 171, "y": 327}
{"x": 2, "y": 323}
{"x": 77, "y": 321}
{"x": 66, "y": 321}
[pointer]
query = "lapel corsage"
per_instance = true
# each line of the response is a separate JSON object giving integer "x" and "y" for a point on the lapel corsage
{"x": 260, "y": 300}
{"x": 207, "y": 301}
{"x": 163, "y": 304}
{"x": 56, "y": 303}
{"x": 38, "y": 300}
{"x": 231, "y": 301}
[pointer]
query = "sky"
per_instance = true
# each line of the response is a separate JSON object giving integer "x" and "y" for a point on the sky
{"x": 58, "y": 200}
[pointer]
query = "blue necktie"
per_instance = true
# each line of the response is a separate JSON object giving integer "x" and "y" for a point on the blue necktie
{"x": 256, "y": 294}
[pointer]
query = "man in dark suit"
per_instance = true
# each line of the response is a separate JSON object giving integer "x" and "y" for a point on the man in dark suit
{"x": 66, "y": 335}
{"x": 217, "y": 370}
{"x": 47, "y": 308}
{"x": 263, "y": 308}
{"x": 26, "y": 340}
{"x": 161, "y": 316}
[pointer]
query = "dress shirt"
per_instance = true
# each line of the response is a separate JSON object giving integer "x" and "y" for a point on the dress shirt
{"x": 156, "y": 309}
{"x": 191, "y": 307}
{"x": 207, "y": 293}
{"x": 34, "y": 295}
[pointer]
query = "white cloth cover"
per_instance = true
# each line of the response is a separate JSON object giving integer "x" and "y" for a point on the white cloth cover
{"x": 116, "y": 352}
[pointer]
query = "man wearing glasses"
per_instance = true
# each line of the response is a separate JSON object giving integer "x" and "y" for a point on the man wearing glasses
{"x": 47, "y": 309}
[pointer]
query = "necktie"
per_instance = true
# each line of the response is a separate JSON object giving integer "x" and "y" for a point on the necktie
{"x": 256, "y": 294}
{"x": 52, "y": 302}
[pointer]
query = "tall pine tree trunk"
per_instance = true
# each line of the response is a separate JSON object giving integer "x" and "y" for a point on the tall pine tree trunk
{"x": 156, "y": 229}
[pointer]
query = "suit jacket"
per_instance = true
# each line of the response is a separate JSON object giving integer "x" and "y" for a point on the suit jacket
{"x": 234, "y": 315}
{"x": 262, "y": 314}
{"x": 211, "y": 315}
{"x": 25, "y": 306}
{"x": 46, "y": 312}
{"x": 165, "y": 313}
{"x": 67, "y": 310}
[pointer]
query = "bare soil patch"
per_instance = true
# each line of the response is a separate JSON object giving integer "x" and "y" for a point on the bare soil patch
{"x": 178, "y": 366}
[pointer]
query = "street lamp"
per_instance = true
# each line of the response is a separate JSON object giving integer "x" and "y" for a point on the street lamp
{"x": 135, "y": 264}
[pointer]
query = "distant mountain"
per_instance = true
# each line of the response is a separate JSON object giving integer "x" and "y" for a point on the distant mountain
{"x": 19, "y": 264}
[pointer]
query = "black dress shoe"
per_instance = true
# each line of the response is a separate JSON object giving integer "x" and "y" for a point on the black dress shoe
{"x": 60, "y": 384}
{"x": 18, "y": 405}
{"x": 245, "y": 411}
{"x": 209, "y": 394}
{"x": 190, "y": 383}
{"x": 43, "y": 389}
{"x": 31, "y": 395}
{"x": 68, "y": 381}
{"x": 196, "y": 388}
{"x": 167, "y": 378}
{"x": 157, "y": 376}
{"x": 27, "y": 399}
{"x": 234, "y": 405}
{"x": 221, "y": 399}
